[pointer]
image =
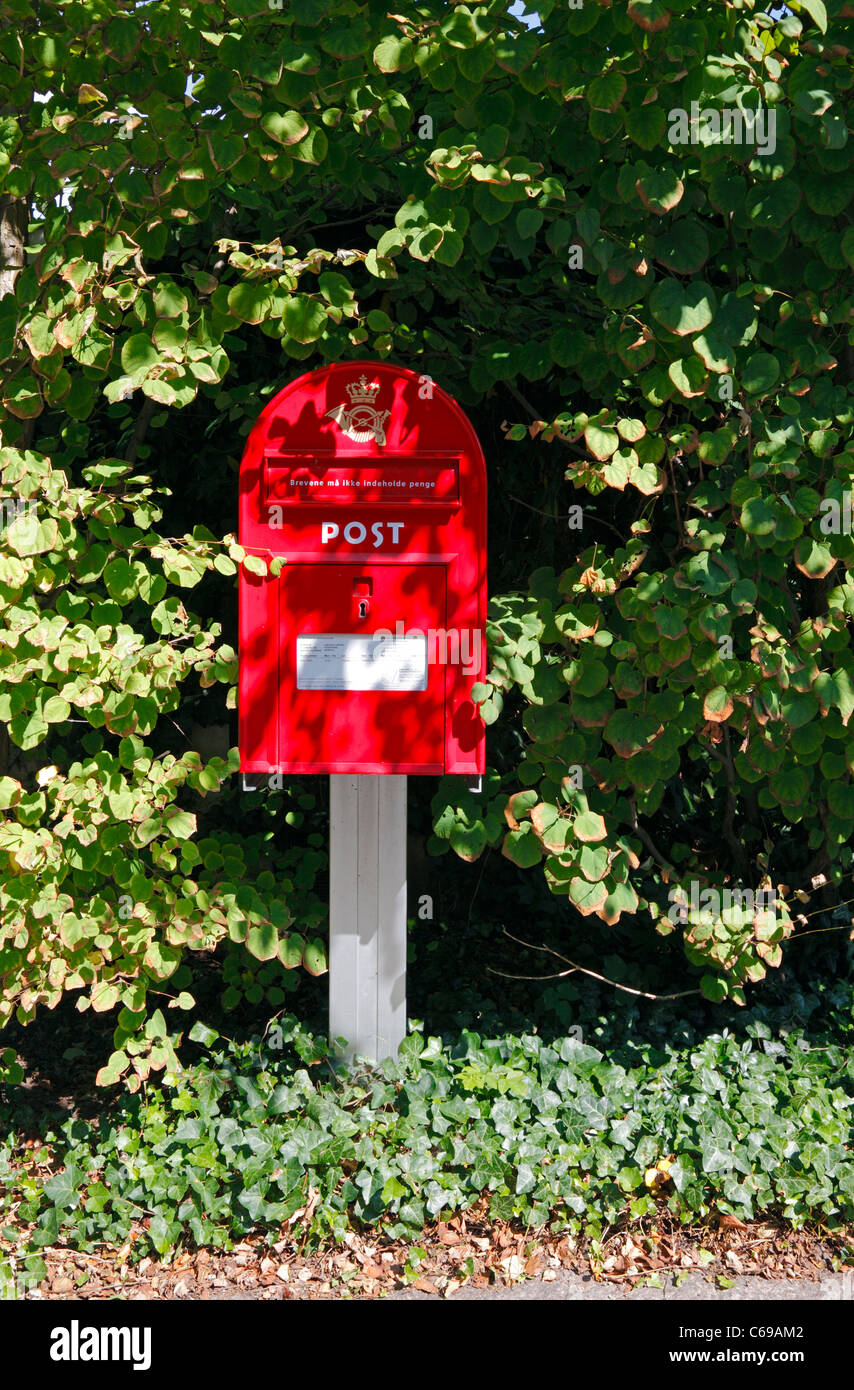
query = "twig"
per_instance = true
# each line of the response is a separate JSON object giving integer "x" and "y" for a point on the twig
{"x": 559, "y": 975}
{"x": 477, "y": 885}
{"x": 597, "y": 520}
{"x": 536, "y": 415}
{"x": 729, "y": 813}
{"x": 671, "y": 471}
{"x": 140, "y": 429}
{"x": 650, "y": 844}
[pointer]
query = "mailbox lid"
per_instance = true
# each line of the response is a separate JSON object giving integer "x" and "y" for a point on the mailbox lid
{"x": 357, "y": 691}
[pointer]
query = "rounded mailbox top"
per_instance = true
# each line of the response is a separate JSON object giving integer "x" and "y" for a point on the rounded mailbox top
{"x": 365, "y": 408}
{"x": 361, "y": 435}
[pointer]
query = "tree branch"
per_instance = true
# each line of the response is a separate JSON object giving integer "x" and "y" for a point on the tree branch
{"x": 143, "y": 420}
{"x": 559, "y": 975}
{"x": 650, "y": 844}
{"x": 14, "y": 220}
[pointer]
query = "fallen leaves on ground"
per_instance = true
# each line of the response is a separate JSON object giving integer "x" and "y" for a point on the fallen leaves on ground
{"x": 466, "y": 1249}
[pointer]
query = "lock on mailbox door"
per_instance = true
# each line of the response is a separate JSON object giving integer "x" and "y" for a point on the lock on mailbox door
{"x": 360, "y": 655}
{"x": 362, "y": 589}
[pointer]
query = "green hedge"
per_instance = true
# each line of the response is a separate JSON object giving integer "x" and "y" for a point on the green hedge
{"x": 650, "y": 328}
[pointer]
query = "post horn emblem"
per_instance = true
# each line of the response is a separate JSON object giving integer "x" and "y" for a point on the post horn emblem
{"x": 361, "y": 421}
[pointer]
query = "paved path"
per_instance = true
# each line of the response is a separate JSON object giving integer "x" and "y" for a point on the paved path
{"x": 567, "y": 1286}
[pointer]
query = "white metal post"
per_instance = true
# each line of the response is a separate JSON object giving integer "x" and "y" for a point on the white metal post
{"x": 367, "y": 914}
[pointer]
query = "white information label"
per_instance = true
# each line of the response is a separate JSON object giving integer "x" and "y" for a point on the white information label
{"x": 341, "y": 661}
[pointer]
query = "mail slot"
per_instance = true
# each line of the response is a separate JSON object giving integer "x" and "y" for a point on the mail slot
{"x": 359, "y": 656}
{"x": 360, "y": 482}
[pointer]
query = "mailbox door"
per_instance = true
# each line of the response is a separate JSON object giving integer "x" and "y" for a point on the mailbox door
{"x": 357, "y": 690}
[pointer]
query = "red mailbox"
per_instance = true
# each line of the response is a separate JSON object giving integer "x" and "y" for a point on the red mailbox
{"x": 359, "y": 656}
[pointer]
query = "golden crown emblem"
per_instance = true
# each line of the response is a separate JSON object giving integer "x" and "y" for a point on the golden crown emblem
{"x": 363, "y": 392}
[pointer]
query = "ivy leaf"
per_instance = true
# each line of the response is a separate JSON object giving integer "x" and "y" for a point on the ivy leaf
{"x": 64, "y": 1190}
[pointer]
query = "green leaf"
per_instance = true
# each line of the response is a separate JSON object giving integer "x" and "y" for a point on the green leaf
{"x": 64, "y": 1189}
{"x": 683, "y": 246}
{"x": 587, "y": 897}
{"x": 522, "y": 847}
{"x": 714, "y": 988}
{"x": 816, "y": 11}
{"x": 689, "y": 376}
{"x": 181, "y": 824}
{"x": 589, "y": 825}
{"x": 201, "y": 1033}
{"x": 120, "y": 579}
{"x": 55, "y": 710}
{"x": 660, "y": 190}
{"x": 646, "y": 125}
{"x": 393, "y": 53}
{"x": 602, "y": 443}
{"x": 314, "y": 957}
{"x": 734, "y": 317}
{"x": 425, "y": 243}
{"x": 304, "y": 318}
{"x": 104, "y": 997}
{"x": 450, "y": 249}
{"x": 170, "y": 302}
{"x": 683, "y": 309}
{"x": 606, "y": 92}
{"x": 139, "y": 353}
{"x": 528, "y": 222}
{"x": 290, "y": 950}
{"x": 813, "y": 559}
{"x": 758, "y": 518}
{"x": 468, "y": 841}
{"x": 760, "y": 374}
{"x": 287, "y": 127}
{"x": 262, "y": 941}
{"x": 250, "y": 302}
{"x": 149, "y": 829}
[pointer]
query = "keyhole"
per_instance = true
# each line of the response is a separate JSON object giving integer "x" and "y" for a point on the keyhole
{"x": 363, "y": 608}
